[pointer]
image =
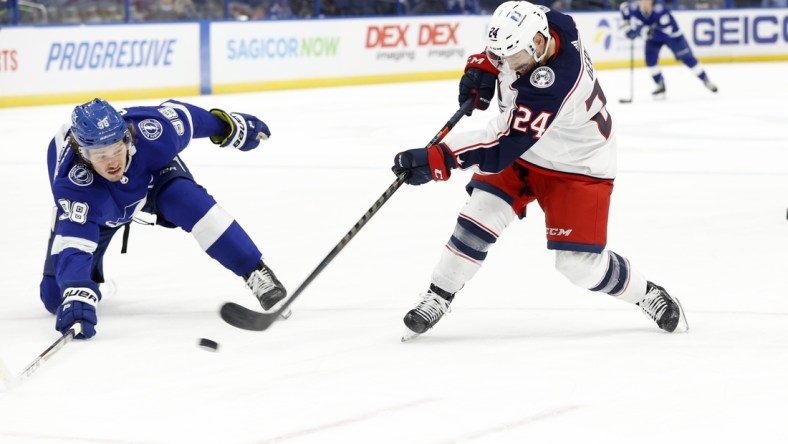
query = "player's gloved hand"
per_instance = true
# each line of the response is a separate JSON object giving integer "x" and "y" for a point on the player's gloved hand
{"x": 79, "y": 305}
{"x": 244, "y": 130}
{"x": 425, "y": 164}
{"x": 632, "y": 34}
{"x": 478, "y": 82}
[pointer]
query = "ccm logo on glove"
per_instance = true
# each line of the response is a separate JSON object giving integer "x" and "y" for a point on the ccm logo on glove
{"x": 478, "y": 82}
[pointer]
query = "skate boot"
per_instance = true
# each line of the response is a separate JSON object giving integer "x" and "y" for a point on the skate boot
{"x": 665, "y": 310}
{"x": 659, "y": 93}
{"x": 710, "y": 86}
{"x": 265, "y": 286}
{"x": 432, "y": 307}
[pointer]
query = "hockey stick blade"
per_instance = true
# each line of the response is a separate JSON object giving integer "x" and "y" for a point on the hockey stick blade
{"x": 246, "y": 319}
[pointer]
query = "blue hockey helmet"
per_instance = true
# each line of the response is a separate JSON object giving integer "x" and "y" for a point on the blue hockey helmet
{"x": 96, "y": 124}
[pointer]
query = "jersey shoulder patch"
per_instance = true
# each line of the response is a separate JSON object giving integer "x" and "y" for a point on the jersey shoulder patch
{"x": 150, "y": 129}
{"x": 80, "y": 175}
{"x": 542, "y": 77}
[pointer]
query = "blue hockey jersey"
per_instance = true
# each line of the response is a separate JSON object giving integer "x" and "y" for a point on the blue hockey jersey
{"x": 661, "y": 24}
{"x": 86, "y": 201}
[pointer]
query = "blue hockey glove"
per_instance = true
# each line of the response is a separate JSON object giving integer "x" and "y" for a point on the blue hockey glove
{"x": 478, "y": 82}
{"x": 245, "y": 130}
{"x": 425, "y": 164}
{"x": 79, "y": 305}
{"x": 633, "y": 33}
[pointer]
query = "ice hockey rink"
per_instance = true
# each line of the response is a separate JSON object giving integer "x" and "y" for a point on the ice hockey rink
{"x": 525, "y": 357}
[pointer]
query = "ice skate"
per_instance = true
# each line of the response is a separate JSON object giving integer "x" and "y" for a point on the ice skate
{"x": 710, "y": 86}
{"x": 266, "y": 287}
{"x": 434, "y": 304}
{"x": 665, "y": 310}
{"x": 659, "y": 93}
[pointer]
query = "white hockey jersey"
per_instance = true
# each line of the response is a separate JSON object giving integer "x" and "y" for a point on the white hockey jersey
{"x": 555, "y": 118}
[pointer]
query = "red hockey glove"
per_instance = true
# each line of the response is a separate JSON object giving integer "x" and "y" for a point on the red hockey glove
{"x": 425, "y": 164}
{"x": 478, "y": 82}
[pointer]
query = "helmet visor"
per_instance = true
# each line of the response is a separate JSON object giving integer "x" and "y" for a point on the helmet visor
{"x": 496, "y": 60}
{"x": 520, "y": 62}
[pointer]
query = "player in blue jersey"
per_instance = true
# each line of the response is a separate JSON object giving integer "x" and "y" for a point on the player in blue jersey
{"x": 106, "y": 165}
{"x": 554, "y": 143}
{"x": 661, "y": 29}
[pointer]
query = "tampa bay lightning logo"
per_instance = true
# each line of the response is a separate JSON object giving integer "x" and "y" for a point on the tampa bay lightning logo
{"x": 604, "y": 34}
{"x": 151, "y": 129}
{"x": 542, "y": 77}
{"x": 80, "y": 175}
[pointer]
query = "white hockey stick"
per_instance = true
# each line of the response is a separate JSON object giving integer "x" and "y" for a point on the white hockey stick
{"x": 11, "y": 381}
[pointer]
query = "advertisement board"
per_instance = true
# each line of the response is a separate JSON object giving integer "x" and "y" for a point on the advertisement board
{"x": 271, "y": 54}
{"x": 714, "y": 35}
{"x": 54, "y": 64}
{"x": 65, "y": 64}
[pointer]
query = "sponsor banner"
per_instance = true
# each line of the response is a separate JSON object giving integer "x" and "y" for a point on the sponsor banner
{"x": 37, "y": 61}
{"x": 717, "y": 35}
{"x": 262, "y": 55}
{"x": 280, "y": 51}
{"x": 59, "y": 64}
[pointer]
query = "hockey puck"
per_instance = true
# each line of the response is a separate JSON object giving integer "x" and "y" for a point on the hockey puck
{"x": 208, "y": 344}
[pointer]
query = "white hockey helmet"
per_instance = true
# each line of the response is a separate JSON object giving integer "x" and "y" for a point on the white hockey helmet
{"x": 512, "y": 29}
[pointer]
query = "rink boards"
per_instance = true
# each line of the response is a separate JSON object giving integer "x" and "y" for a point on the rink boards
{"x": 64, "y": 64}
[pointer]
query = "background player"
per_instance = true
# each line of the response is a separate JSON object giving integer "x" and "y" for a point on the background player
{"x": 553, "y": 142}
{"x": 661, "y": 29}
{"x": 106, "y": 165}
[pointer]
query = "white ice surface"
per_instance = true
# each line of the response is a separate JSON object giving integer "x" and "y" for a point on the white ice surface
{"x": 525, "y": 357}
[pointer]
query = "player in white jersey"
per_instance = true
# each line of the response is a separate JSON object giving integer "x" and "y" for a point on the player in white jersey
{"x": 553, "y": 142}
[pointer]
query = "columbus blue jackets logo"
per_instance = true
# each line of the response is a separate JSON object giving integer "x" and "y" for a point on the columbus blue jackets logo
{"x": 80, "y": 175}
{"x": 151, "y": 129}
{"x": 542, "y": 77}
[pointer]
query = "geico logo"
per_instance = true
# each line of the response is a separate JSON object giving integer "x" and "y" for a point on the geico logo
{"x": 558, "y": 231}
{"x": 707, "y": 31}
{"x": 392, "y": 36}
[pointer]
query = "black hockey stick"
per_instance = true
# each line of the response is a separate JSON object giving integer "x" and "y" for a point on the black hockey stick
{"x": 631, "y": 70}
{"x": 244, "y": 318}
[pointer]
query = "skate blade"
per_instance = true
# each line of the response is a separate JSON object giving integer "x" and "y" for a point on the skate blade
{"x": 408, "y": 335}
{"x": 286, "y": 314}
{"x": 683, "y": 326}
{"x": 660, "y": 96}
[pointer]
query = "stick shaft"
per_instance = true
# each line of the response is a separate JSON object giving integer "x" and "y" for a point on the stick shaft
{"x": 466, "y": 106}
{"x": 51, "y": 350}
{"x": 242, "y": 317}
